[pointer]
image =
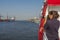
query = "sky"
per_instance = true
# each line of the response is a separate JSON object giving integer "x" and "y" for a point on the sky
{"x": 21, "y": 9}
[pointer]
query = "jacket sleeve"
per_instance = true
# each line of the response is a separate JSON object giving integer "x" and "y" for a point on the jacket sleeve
{"x": 46, "y": 26}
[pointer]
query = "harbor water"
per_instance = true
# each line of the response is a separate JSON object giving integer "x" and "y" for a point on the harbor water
{"x": 18, "y": 30}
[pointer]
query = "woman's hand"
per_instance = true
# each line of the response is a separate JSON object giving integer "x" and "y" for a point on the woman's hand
{"x": 42, "y": 29}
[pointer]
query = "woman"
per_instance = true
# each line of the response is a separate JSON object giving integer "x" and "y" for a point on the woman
{"x": 52, "y": 25}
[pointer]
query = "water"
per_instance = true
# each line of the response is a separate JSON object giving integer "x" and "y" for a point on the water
{"x": 18, "y": 30}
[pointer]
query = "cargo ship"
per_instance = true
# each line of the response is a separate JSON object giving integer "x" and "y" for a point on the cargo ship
{"x": 7, "y": 19}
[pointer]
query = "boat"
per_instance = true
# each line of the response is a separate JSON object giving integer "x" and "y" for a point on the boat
{"x": 35, "y": 20}
{"x": 7, "y": 19}
{"x": 49, "y": 5}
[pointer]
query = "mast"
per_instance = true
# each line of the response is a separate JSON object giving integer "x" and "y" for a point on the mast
{"x": 14, "y": 18}
{"x": 0, "y": 17}
{"x": 7, "y": 16}
{"x": 40, "y": 33}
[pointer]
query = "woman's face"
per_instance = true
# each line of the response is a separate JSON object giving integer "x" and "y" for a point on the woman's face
{"x": 50, "y": 16}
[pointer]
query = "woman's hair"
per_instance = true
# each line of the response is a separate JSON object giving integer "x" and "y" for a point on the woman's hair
{"x": 54, "y": 13}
